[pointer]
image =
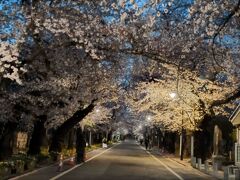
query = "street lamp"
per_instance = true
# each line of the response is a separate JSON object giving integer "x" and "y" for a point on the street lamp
{"x": 149, "y": 118}
{"x": 173, "y": 95}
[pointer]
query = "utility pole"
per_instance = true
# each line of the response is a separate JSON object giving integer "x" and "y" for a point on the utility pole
{"x": 181, "y": 140}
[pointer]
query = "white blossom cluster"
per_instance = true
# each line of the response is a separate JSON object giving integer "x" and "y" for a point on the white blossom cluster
{"x": 10, "y": 66}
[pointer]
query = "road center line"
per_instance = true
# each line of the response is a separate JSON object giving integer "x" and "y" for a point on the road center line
{"x": 67, "y": 171}
{"x": 166, "y": 166}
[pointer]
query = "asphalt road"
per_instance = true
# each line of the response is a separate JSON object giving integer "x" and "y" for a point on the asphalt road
{"x": 129, "y": 161}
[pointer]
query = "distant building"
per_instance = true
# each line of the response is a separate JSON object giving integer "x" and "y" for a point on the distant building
{"x": 235, "y": 119}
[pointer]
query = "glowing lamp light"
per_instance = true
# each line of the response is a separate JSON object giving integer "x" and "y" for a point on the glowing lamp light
{"x": 149, "y": 118}
{"x": 173, "y": 95}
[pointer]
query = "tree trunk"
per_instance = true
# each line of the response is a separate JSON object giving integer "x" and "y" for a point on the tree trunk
{"x": 71, "y": 139}
{"x": 169, "y": 141}
{"x": 109, "y": 138}
{"x": 38, "y": 136}
{"x": 80, "y": 146}
{"x": 60, "y": 133}
{"x": 6, "y": 139}
{"x": 203, "y": 142}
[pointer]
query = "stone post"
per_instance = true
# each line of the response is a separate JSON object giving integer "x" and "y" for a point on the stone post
{"x": 192, "y": 146}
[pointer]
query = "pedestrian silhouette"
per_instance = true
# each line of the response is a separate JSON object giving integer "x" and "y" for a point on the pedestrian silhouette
{"x": 146, "y": 143}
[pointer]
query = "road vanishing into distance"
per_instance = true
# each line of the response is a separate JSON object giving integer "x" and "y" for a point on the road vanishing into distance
{"x": 129, "y": 161}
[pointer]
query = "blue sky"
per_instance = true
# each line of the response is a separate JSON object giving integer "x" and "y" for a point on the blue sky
{"x": 6, "y": 7}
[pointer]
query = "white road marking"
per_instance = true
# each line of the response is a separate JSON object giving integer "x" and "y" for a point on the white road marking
{"x": 35, "y": 171}
{"x": 67, "y": 171}
{"x": 167, "y": 167}
{"x": 32, "y": 172}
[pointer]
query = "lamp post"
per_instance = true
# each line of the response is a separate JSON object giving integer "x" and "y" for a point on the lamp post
{"x": 173, "y": 95}
{"x": 181, "y": 144}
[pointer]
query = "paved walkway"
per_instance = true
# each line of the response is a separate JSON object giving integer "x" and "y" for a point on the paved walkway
{"x": 187, "y": 163}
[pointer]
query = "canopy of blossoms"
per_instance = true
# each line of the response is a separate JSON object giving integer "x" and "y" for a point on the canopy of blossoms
{"x": 57, "y": 56}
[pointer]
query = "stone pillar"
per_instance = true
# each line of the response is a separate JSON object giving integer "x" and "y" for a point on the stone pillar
{"x": 192, "y": 146}
{"x": 237, "y": 158}
{"x": 193, "y": 161}
{"x": 206, "y": 166}
{"x": 199, "y": 161}
{"x": 180, "y": 140}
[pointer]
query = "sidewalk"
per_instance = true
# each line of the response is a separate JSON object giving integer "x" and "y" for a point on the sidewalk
{"x": 187, "y": 162}
{"x": 52, "y": 170}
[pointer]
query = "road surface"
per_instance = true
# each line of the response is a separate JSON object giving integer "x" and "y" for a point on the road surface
{"x": 129, "y": 161}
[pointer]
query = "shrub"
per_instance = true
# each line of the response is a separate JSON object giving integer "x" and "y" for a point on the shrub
{"x": 42, "y": 158}
{"x": 68, "y": 152}
{"x": 44, "y": 150}
{"x": 19, "y": 164}
{"x": 5, "y": 168}
{"x": 30, "y": 163}
{"x": 54, "y": 156}
{"x": 23, "y": 162}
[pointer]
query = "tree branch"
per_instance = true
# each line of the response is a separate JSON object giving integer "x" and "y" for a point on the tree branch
{"x": 228, "y": 99}
{"x": 227, "y": 19}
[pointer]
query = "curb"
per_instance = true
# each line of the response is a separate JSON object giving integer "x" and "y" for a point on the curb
{"x": 45, "y": 167}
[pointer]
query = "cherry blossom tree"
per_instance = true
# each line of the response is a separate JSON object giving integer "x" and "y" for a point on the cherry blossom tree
{"x": 61, "y": 56}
